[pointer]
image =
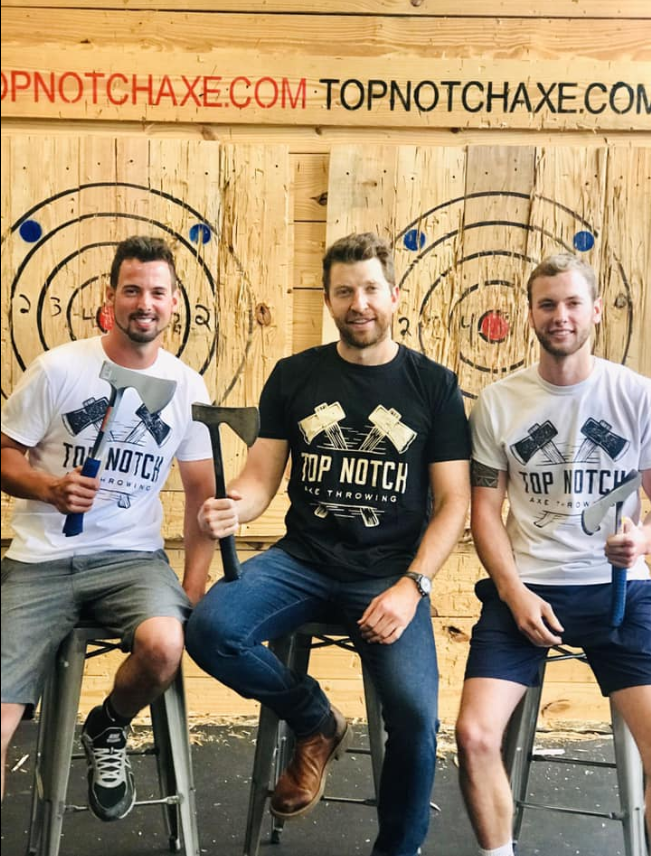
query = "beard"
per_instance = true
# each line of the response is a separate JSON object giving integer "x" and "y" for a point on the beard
{"x": 138, "y": 336}
{"x": 563, "y": 350}
{"x": 362, "y": 340}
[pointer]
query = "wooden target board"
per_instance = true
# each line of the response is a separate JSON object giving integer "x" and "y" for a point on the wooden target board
{"x": 469, "y": 225}
{"x": 67, "y": 202}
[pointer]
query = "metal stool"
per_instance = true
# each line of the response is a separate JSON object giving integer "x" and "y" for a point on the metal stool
{"x": 519, "y": 754}
{"x": 274, "y": 743}
{"x": 56, "y": 730}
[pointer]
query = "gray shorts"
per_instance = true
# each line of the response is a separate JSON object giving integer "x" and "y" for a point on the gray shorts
{"x": 42, "y": 602}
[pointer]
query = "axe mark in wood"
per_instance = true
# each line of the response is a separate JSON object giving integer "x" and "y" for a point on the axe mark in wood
{"x": 326, "y": 417}
{"x": 540, "y": 438}
{"x": 598, "y": 434}
{"x": 387, "y": 424}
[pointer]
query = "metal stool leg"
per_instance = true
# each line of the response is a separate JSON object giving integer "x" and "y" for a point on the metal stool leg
{"x": 43, "y": 736}
{"x": 297, "y": 658}
{"x": 518, "y": 748}
{"x": 169, "y": 720}
{"x": 631, "y": 786}
{"x": 58, "y": 739}
{"x": 165, "y": 768}
{"x": 263, "y": 762}
{"x": 376, "y": 732}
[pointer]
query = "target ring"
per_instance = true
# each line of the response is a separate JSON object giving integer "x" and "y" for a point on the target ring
{"x": 472, "y": 311}
{"x": 48, "y": 245}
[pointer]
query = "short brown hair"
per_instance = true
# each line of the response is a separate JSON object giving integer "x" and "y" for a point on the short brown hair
{"x": 359, "y": 248}
{"x": 145, "y": 249}
{"x": 560, "y": 263}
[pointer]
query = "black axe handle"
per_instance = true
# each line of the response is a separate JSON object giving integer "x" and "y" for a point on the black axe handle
{"x": 230, "y": 561}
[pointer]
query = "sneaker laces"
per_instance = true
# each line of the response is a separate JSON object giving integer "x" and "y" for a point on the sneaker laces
{"x": 110, "y": 763}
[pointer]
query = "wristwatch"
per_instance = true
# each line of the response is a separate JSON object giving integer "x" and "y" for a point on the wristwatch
{"x": 423, "y": 583}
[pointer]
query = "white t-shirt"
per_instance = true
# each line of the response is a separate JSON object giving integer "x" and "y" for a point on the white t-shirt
{"x": 563, "y": 447}
{"x": 56, "y": 409}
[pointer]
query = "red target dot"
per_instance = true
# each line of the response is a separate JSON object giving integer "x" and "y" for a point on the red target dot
{"x": 493, "y": 326}
{"x": 105, "y": 318}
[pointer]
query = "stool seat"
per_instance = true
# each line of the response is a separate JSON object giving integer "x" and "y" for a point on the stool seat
{"x": 519, "y": 755}
{"x": 274, "y": 743}
{"x": 59, "y": 706}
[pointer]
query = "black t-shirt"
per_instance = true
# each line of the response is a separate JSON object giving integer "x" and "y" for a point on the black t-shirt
{"x": 361, "y": 439}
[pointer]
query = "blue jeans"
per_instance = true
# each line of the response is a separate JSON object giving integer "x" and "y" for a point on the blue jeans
{"x": 274, "y": 596}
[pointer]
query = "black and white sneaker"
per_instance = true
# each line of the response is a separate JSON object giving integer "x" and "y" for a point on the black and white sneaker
{"x": 111, "y": 786}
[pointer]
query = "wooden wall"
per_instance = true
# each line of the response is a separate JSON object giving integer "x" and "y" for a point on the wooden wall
{"x": 477, "y": 135}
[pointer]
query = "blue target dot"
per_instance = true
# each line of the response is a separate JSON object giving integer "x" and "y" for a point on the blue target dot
{"x": 30, "y": 231}
{"x": 199, "y": 233}
{"x": 414, "y": 240}
{"x": 583, "y": 241}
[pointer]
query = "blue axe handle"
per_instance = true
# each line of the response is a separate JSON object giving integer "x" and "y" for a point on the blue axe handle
{"x": 74, "y": 524}
{"x": 618, "y": 592}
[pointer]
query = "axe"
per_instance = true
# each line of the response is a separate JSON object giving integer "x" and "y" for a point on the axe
{"x": 156, "y": 393}
{"x": 539, "y": 438}
{"x": 387, "y": 424}
{"x": 591, "y": 520}
{"x": 598, "y": 434}
{"x": 245, "y": 422}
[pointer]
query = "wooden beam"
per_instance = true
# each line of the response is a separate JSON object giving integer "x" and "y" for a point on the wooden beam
{"x": 581, "y": 9}
{"x": 384, "y": 72}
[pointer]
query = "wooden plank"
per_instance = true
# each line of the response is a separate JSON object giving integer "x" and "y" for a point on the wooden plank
{"x": 309, "y": 246}
{"x": 490, "y": 312}
{"x": 320, "y": 140}
{"x": 626, "y": 259}
{"x": 543, "y": 77}
{"x": 360, "y": 199}
{"x": 428, "y": 178}
{"x": 424, "y": 37}
{"x": 310, "y": 183}
{"x": 582, "y": 9}
{"x": 596, "y": 203}
{"x": 308, "y": 318}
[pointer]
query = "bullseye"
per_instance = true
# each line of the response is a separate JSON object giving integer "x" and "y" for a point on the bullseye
{"x": 493, "y": 326}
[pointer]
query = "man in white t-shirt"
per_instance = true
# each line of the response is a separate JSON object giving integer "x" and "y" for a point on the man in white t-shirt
{"x": 115, "y": 571}
{"x": 554, "y": 438}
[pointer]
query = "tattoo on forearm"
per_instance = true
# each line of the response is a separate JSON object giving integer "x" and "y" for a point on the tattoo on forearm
{"x": 483, "y": 476}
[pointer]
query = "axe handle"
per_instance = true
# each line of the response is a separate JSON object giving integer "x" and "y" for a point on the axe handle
{"x": 92, "y": 463}
{"x": 74, "y": 524}
{"x": 618, "y": 578}
{"x": 230, "y": 561}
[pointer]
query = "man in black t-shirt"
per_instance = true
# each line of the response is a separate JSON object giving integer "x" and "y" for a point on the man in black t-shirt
{"x": 379, "y": 489}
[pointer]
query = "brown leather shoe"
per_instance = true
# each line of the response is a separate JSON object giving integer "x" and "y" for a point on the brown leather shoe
{"x": 301, "y": 786}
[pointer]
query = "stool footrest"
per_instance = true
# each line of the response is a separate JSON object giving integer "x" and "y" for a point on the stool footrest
{"x": 610, "y": 815}
{"x": 581, "y": 762}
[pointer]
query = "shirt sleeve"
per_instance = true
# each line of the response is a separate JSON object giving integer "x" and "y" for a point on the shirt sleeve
{"x": 195, "y": 445}
{"x": 273, "y": 424}
{"x": 486, "y": 449}
{"x": 450, "y": 436}
{"x": 27, "y": 414}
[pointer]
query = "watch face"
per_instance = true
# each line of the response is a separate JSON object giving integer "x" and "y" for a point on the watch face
{"x": 423, "y": 583}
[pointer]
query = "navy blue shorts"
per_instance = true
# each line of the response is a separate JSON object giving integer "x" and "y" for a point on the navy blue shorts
{"x": 620, "y": 657}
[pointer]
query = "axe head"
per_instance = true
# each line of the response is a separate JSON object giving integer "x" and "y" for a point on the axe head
{"x": 155, "y": 392}
{"x": 244, "y": 421}
{"x": 593, "y": 515}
